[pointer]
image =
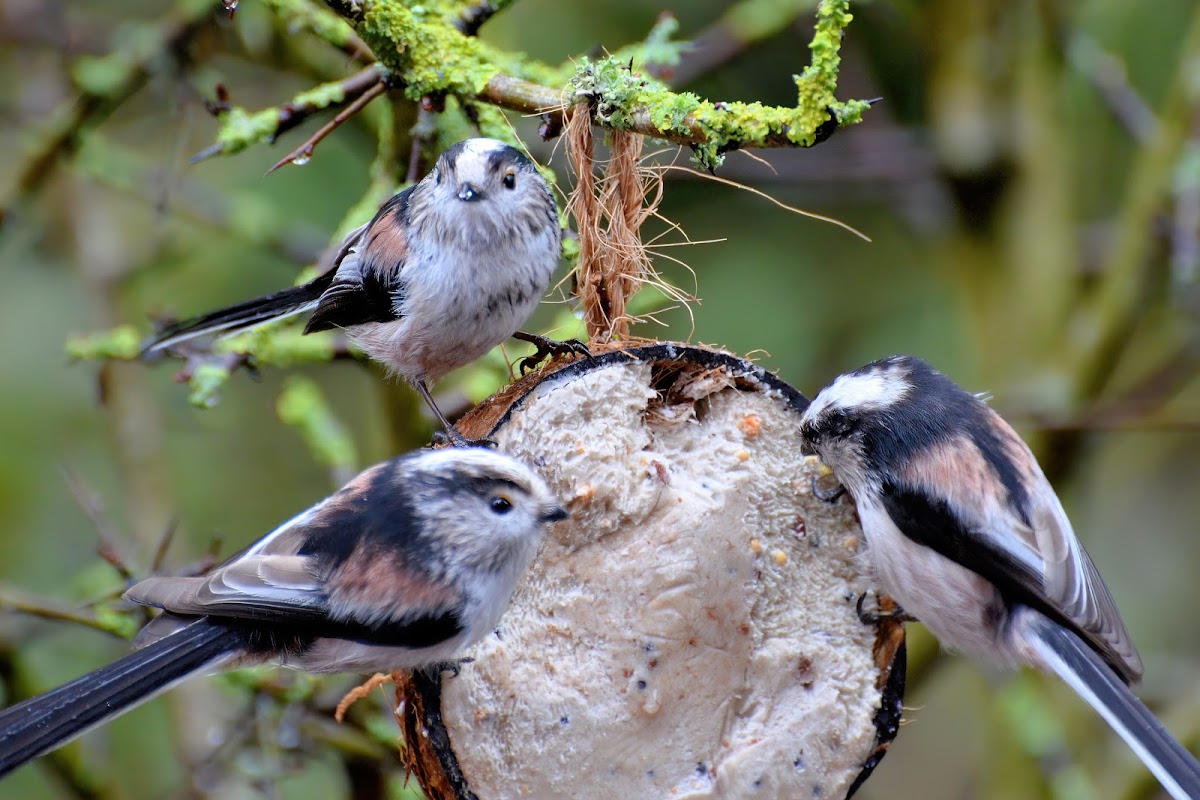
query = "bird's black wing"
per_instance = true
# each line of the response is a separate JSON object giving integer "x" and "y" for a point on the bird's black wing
{"x": 367, "y": 285}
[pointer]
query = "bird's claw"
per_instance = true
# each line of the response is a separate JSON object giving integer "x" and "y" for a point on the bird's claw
{"x": 826, "y": 495}
{"x": 452, "y": 437}
{"x": 549, "y": 348}
{"x": 879, "y": 616}
{"x": 455, "y": 667}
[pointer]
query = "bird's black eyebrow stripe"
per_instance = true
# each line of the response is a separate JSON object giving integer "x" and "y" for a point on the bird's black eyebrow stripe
{"x": 486, "y": 486}
{"x": 507, "y": 156}
{"x": 450, "y": 156}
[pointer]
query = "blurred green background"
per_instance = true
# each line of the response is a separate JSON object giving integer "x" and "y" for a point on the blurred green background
{"x": 1031, "y": 186}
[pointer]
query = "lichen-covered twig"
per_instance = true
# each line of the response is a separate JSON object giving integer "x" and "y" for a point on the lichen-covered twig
{"x": 433, "y": 53}
{"x": 434, "y": 58}
{"x": 207, "y": 367}
{"x": 291, "y": 115}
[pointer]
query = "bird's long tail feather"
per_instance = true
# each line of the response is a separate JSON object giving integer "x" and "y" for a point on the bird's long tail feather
{"x": 244, "y": 316}
{"x": 43, "y": 723}
{"x": 1064, "y": 653}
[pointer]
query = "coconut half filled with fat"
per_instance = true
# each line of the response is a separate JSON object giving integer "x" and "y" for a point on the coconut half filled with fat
{"x": 692, "y": 630}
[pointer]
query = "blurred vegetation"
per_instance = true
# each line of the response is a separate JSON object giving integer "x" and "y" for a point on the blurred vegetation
{"x": 1031, "y": 184}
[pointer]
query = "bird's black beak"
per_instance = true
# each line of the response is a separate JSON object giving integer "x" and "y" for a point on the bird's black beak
{"x": 467, "y": 193}
{"x": 806, "y": 449}
{"x": 555, "y": 514}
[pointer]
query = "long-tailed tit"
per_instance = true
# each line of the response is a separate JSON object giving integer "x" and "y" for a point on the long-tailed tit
{"x": 965, "y": 532}
{"x": 409, "y": 564}
{"x": 448, "y": 269}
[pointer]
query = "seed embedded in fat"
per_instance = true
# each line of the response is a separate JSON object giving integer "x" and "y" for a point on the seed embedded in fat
{"x": 750, "y": 425}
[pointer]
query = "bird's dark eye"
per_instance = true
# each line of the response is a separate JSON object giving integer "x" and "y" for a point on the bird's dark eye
{"x": 510, "y": 180}
{"x": 839, "y": 424}
{"x": 500, "y": 504}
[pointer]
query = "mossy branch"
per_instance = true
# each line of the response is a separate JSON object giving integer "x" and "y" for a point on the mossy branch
{"x": 422, "y": 47}
{"x": 102, "y": 617}
{"x": 429, "y": 51}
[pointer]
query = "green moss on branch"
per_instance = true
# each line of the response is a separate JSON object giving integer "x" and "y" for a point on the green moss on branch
{"x": 421, "y": 45}
{"x": 428, "y": 55}
{"x": 621, "y": 98}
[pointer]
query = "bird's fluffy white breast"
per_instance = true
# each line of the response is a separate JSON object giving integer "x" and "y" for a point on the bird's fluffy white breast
{"x": 960, "y": 608}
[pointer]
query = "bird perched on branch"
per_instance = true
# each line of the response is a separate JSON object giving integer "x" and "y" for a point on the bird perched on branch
{"x": 409, "y": 564}
{"x": 447, "y": 269}
{"x": 965, "y": 532}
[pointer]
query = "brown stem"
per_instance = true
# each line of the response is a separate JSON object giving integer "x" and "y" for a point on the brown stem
{"x": 164, "y": 545}
{"x": 22, "y": 602}
{"x": 290, "y": 114}
{"x": 1108, "y": 76}
{"x": 305, "y": 150}
{"x": 474, "y": 16}
{"x": 414, "y": 161}
{"x": 92, "y": 506}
